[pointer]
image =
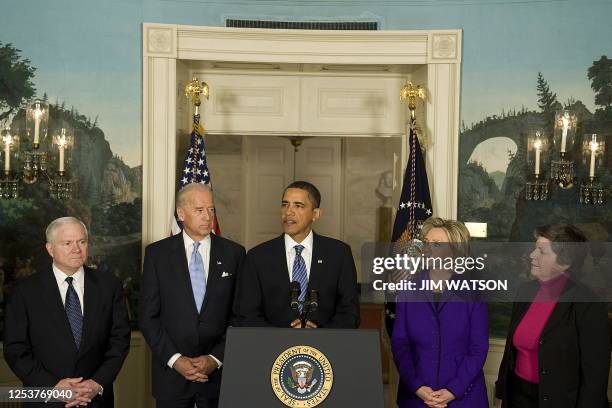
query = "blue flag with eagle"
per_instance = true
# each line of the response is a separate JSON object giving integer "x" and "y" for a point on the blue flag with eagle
{"x": 413, "y": 208}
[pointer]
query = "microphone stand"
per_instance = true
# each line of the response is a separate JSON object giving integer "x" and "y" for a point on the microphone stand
{"x": 308, "y": 307}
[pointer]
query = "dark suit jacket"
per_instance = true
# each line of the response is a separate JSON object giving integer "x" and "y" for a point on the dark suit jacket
{"x": 264, "y": 296}
{"x": 38, "y": 343}
{"x": 574, "y": 350}
{"x": 169, "y": 317}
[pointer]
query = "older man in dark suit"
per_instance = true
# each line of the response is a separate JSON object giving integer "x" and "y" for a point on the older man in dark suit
{"x": 186, "y": 298}
{"x": 299, "y": 255}
{"x": 67, "y": 327}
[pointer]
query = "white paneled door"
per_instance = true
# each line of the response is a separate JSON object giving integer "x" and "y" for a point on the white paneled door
{"x": 273, "y": 164}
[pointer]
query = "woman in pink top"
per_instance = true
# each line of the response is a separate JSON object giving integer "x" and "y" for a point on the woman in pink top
{"x": 558, "y": 347}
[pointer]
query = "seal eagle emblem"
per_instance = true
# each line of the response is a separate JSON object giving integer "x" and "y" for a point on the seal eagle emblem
{"x": 302, "y": 377}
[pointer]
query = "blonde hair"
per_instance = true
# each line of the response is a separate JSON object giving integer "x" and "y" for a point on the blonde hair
{"x": 457, "y": 233}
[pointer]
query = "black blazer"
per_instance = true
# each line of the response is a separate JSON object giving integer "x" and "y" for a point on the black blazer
{"x": 574, "y": 350}
{"x": 169, "y": 318}
{"x": 38, "y": 343}
{"x": 263, "y": 297}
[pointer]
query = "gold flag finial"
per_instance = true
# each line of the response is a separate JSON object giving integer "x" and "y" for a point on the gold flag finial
{"x": 194, "y": 89}
{"x": 411, "y": 93}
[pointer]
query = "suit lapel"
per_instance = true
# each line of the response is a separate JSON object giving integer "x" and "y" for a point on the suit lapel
{"x": 561, "y": 308}
{"x": 178, "y": 257}
{"x": 317, "y": 263}
{"x": 215, "y": 268}
{"x": 280, "y": 270}
{"x": 91, "y": 305}
{"x": 56, "y": 308}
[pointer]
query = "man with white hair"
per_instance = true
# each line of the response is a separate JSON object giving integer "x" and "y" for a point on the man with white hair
{"x": 186, "y": 297}
{"x": 67, "y": 327}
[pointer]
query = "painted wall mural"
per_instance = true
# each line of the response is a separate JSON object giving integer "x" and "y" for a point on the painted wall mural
{"x": 108, "y": 199}
{"x": 86, "y": 58}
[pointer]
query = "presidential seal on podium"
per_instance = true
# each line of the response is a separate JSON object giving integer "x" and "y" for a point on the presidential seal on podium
{"x": 302, "y": 377}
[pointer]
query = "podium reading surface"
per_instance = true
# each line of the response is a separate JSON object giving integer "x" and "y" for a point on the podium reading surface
{"x": 253, "y": 357}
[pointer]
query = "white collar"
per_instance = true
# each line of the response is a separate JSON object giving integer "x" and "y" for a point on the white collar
{"x": 78, "y": 277}
{"x": 306, "y": 243}
{"x": 189, "y": 241}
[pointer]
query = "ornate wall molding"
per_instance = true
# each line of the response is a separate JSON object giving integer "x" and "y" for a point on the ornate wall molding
{"x": 444, "y": 47}
{"x": 160, "y": 40}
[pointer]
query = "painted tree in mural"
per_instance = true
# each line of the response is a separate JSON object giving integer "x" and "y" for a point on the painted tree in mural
{"x": 16, "y": 75}
{"x": 546, "y": 98}
{"x": 600, "y": 74}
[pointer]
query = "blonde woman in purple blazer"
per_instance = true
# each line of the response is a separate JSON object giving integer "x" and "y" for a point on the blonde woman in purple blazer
{"x": 439, "y": 342}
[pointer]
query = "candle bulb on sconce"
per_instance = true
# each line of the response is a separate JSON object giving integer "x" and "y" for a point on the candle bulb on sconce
{"x": 536, "y": 188}
{"x": 593, "y": 146}
{"x": 61, "y": 141}
{"x": 562, "y": 171}
{"x": 38, "y": 113}
{"x": 593, "y": 191}
{"x": 37, "y": 119}
{"x": 565, "y": 122}
{"x": 537, "y": 145}
{"x": 7, "y": 139}
{"x": 9, "y": 182}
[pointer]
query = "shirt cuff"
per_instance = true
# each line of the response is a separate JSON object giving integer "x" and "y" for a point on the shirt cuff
{"x": 101, "y": 390}
{"x": 173, "y": 359}
{"x": 219, "y": 363}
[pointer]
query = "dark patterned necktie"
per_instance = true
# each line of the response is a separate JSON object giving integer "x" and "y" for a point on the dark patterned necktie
{"x": 299, "y": 273}
{"x": 73, "y": 311}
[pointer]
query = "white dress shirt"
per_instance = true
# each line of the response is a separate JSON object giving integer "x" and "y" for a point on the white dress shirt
{"x": 204, "y": 250}
{"x": 78, "y": 283}
{"x": 306, "y": 253}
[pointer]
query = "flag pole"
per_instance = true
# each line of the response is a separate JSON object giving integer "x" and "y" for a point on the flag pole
{"x": 411, "y": 93}
{"x": 415, "y": 200}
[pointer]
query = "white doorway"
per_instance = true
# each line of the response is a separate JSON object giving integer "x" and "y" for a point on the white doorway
{"x": 273, "y": 163}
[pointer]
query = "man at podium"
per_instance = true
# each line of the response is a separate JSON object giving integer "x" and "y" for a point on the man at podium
{"x": 299, "y": 279}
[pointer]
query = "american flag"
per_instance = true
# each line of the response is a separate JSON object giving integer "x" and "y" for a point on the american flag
{"x": 195, "y": 169}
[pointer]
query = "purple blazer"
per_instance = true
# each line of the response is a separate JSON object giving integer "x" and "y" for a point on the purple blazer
{"x": 441, "y": 346}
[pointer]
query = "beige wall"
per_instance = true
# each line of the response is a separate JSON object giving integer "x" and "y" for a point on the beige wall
{"x": 224, "y": 155}
{"x": 366, "y": 160}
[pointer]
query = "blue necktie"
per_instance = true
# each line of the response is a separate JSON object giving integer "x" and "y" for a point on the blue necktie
{"x": 198, "y": 278}
{"x": 299, "y": 272}
{"x": 73, "y": 311}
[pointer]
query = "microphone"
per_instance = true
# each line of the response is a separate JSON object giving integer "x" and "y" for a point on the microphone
{"x": 296, "y": 289}
{"x": 313, "y": 301}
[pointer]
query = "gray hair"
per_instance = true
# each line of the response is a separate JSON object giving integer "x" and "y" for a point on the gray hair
{"x": 60, "y": 222}
{"x": 181, "y": 198}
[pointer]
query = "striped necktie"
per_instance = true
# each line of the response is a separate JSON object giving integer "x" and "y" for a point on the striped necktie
{"x": 299, "y": 273}
{"x": 73, "y": 311}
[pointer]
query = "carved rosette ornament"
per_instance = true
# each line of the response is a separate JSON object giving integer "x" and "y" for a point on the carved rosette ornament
{"x": 444, "y": 46}
{"x": 159, "y": 40}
